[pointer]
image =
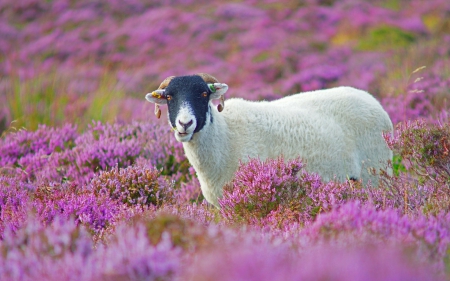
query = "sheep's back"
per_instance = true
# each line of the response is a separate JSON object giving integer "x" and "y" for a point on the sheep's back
{"x": 333, "y": 129}
{"x": 346, "y": 107}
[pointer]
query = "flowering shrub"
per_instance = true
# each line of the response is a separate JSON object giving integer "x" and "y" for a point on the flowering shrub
{"x": 29, "y": 151}
{"x": 423, "y": 157}
{"x": 277, "y": 193}
{"x": 357, "y": 222}
{"x": 277, "y": 198}
{"x": 62, "y": 251}
{"x": 68, "y": 200}
{"x": 57, "y": 172}
{"x": 424, "y": 149}
{"x": 266, "y": 261}
{"x": 133, "y": 185}
{"x": 259, "y": 189}
{"x": 13, "y": 203}
{"x": 61, "y": 155}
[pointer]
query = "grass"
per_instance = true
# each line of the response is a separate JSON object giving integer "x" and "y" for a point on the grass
{"x": 48, "y": 99}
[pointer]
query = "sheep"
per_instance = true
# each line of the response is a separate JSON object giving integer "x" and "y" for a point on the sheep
{"x": 337, "y": 132}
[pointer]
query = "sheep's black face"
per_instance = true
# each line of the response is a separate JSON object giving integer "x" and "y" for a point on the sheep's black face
{"x": 188, "y": 105}
{"x": 188, "y": 99}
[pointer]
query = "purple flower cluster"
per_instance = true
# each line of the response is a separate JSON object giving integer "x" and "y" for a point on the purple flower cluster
{"x": 264, "y": 260}
{"x": 424, "y": 149}
{"x": 134, "y": 185}
{"x": 13, "y": 203}
{"x": 27, "y": 152}
{"x": 61, "y": 154}
{"x": 277, "y": 193}
{"x": 280, "y": 195}
{"x": 259, "y": 189}
{"x": 356, "y": 222}
{"x": 57, "y": 172}
{"x": 64, "y": 251}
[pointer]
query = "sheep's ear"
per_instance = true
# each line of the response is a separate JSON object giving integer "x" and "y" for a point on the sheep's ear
{"x": 157, "y": 97}
{"x": 218, "y": 91}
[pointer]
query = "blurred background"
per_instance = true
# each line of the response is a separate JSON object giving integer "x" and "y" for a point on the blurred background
{"x": 64, "y": 61}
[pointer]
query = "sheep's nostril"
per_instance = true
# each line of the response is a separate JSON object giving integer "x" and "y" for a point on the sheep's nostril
{"x": 186, "y": 125}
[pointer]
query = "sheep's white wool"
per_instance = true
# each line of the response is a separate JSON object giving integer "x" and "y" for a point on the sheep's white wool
{"x": 337, "y": 132}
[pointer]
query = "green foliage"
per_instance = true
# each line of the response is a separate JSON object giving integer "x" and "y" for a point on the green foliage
{"x": 383, "y": 37}
{"x": 397, "y": 165}
{"x": 392, "y": 4}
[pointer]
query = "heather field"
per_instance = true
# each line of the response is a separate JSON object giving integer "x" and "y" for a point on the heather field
{"x": 94, "y": 187}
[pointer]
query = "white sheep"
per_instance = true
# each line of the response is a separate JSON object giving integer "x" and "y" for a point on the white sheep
{"x": 337, "y": 132}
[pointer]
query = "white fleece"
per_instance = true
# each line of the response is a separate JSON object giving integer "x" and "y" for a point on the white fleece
{"x": 337, "y": 132}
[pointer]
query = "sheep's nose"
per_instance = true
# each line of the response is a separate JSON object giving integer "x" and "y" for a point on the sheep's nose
{"x": 185, "y": 125}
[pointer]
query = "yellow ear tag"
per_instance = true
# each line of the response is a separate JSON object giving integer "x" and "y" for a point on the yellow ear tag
{"x": 157, "y": 95}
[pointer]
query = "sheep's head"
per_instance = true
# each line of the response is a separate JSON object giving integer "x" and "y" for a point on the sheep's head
{"x": 189, "y": 102}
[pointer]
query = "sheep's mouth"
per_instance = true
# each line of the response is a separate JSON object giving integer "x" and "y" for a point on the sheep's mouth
{"x": 180, "y": 133}
{"x": 183, "y": 137}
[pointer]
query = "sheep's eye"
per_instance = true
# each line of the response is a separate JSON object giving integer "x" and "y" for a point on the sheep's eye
{"x": 169, "y": 97}
{"x": 204, "y": 94}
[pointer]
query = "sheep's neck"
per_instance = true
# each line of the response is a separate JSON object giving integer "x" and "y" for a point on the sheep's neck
{"x": 210, "y": 145}
{"x": 209, "y": 153}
